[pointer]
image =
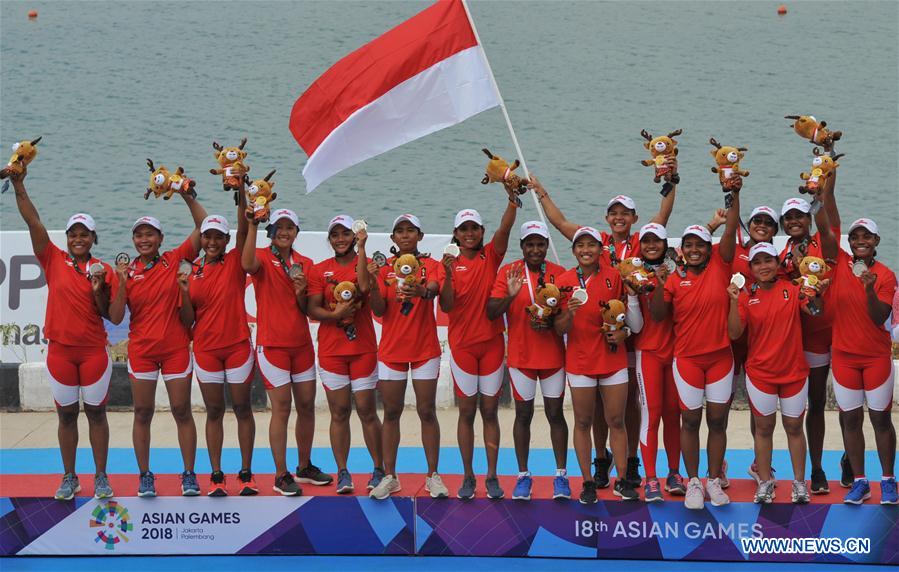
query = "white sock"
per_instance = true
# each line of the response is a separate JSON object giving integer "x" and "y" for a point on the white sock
{"x": 524, "y": 474}
{"x": 561, "y": 472}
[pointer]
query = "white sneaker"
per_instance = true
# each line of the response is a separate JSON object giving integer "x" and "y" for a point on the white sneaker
{"x": 695, "y": 498}
{"x": 388, "y": 485}
{"x": 716, "y": 494}
{"x": 434, "y": 485}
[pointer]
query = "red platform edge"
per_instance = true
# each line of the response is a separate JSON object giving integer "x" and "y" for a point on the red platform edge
{"x": 740, "y": 490}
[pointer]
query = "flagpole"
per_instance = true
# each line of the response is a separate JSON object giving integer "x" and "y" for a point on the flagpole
{"x": 502, "y": 105}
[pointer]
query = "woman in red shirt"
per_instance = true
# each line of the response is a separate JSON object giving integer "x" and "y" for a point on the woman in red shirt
{"x": 594, "y": 362}
{"x": 284, "y": 351}
{"x": 78, "y": 364}
{"x": 222, "y": 348}
{"x": 347, "y": 347}
{"x": 703, "y": 366}
{"x": 476, "y": 343}
{"x": 776, "y": 371}
{"x": 155, "y": 292}
{"x": 409, "y": 342}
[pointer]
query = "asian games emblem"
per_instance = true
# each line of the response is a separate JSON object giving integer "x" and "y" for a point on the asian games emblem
{"x": 113, "y": 523}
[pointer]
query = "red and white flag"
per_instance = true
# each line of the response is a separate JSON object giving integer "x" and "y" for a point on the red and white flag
{"x": 423, "y": 75}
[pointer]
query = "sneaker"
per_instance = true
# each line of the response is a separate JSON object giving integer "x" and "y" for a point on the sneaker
{"x": 695, "y": 496}
{"x": 494, "y": 491}
{"x": 147, "y": 485}
{"x": 588, "y": 493}
{"x": 859, "y": 493}
{"x": 217, "y": 485}
{"x": 888, "y": 494}
{"x": 754, "y": 473}
{"x": 819, "y": 482}
{"x": 312, "y": 475}
{"x": 674, "y": 484}
{"x": 247, "y": 483}
{"x": 800, "y": 493}
{"x": 69, "y": 487}
{"x": 522, "y": 490}
{"x": 189, "y": 485}
{"x": 764, "y": 493}
{"x": 434, "y": 485}
{"x": 376, "y": 475}
{"x": 466, "y": 491}
{"x": 388, "y": 485}
{"x": 561, "y": 489}
{"x": 286, "y": 485}
{"x": 344, "y": 482}
{"x": 102, "y": 488}
{"x": 716, "y": 495}
{"x": 624, "y": 488}
{"x": 601, "y": 474}
{"x": 847, "y": 476}
{"x": 633, "y": 472}
{"x": 652, "y": 491}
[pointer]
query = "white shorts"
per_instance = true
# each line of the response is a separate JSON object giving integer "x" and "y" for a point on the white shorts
{"x": 764, "y": 397}
{"x": 280, "y": 366}
{"x": 89, "y": 379}
{"x": 428, "y": 369}
{"x": 236, "y": 375}
{"x": 360, "y": 372}
{"x": 619, "y": 377}
{"x": 524, "y": 383}
{"x": 817, "y": 360}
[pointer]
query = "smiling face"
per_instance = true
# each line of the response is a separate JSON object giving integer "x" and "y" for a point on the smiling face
{"x": 620, "y": 218}
{"x": 470, "y": 235}
{"x": 285, "y": 234}
{"x": 653, "y": 247}
{"x": 214, "y": 242}
{"x": 341, "y": 239}
{"x": 762, "y": 228}
{"x": 406, "y": 236}
{"x": 79, "y": 240}
{"x": 695, "y": 250}
{"x": 764, "y": 267}
{"x": 797, "y": 223}
{"x": 533, "y": 250}
{"x": 147, "y": 240}
{"x": 587, "y": 251}
{"x": 863, "y": 243}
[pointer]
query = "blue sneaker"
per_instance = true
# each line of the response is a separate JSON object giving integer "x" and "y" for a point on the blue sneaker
{"x": 561, "y": 490}
{"x": 888, "y": 493}
{"x": 190, "y": 487}
{"x": 344, "y": 482}
{"x": 376, "y": 476}
{"x": 522, "y": 488}
{"x": 859, "y": 493}
{"x": 147, "y": 485}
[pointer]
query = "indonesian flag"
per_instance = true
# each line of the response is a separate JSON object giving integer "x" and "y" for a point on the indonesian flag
{"x": 423, "y": 75}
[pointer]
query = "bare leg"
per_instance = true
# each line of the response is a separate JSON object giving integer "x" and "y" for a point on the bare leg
{"x": 366, "y": 409}
{"x": 280, "y": 399}
{"x": 143, "y": 394}
{"x": 392, "y": 395}
{"x": 426, "y": 405}
{"x": 583, "y": 401}
{"x": 489, "y": 417}
{"x": 468, "y": 408}
{"x": 304, "y": 401}
{"x": 214, "y": 398}
{"x": 340, "y": 405}
{"x": 98, "y": 432}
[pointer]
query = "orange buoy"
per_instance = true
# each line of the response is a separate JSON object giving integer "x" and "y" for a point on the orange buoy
{"x": 32, "y": 14}
{"x": 781, "y": 10}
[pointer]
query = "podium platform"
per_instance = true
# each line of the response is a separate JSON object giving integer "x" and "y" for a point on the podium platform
{"x": 411, "y": 523}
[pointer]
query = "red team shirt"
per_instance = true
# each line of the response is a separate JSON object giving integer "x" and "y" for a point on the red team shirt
{"x": 412, "y": 338}
{"x": 154, "y": 299}
{"x": 817, "y": 330}
{"x": 587, "y": 352}
{"x": 623, "y": 249}
{"x": 700, "y": 305}
{"x": 280, "y": 322}
{"x": 217, "y": 293}
{"x": 72, "y": 317}
{"x": 332, "y": 340}
{"x": 774, "y": 332}
{"x": 529, "y": 348}
{"x": 655, "y": 337}
{"x": 472, "y": 282}
{"x": 853, "y": 330}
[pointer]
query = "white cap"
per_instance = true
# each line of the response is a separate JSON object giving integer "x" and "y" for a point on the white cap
{"x": 654, "y": 228}
{"x": 284, "y": 213}
{"x": 587, "y": 230}
{"x": 760, "y": 247}
{"x": 795, "y": 203}
{"x": 763, "y": 210}
{"x": 864, "y": 223}
{"x": 149, "y": 220}
{"x": 343, "y": 220}
{"x": 467, "y": 215}
{"x": 82, "y": 218}
{"x": 215, "y": 222}
{"x": 622, "y": 200}
{"x": 534, "y": 227}
{"x": 410, "y": 218}
{"x": 698, "y": 230}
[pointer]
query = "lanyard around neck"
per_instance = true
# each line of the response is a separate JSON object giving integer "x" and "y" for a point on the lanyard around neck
{"x": 540, "y": 279}
{"x": 280, "y": 258}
